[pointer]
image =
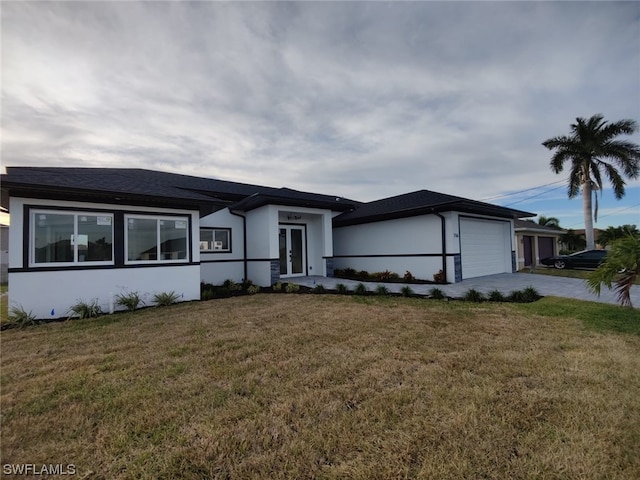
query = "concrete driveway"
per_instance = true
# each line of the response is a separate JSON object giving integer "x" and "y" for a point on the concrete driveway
{"x": 546, "y": 285}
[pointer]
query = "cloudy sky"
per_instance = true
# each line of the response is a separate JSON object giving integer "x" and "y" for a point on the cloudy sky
{"x": 357, "y": 99}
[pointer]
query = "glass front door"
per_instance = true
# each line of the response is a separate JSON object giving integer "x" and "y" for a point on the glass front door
{"x": 292, "y": 251}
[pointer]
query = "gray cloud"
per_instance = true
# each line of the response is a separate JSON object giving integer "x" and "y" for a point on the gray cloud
{"x": 357, "y": 99}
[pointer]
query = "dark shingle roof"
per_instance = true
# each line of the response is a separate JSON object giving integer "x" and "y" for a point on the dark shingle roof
{"x": 140, "y": 184}
{"x": 153, "y": 187}
{"x": 420, "y": 203}
{"x": 530, "y": 225}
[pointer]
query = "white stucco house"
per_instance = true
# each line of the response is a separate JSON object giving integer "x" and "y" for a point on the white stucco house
{"x": 92, "y": 233}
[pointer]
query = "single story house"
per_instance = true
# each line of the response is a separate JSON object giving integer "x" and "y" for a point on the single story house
{"x": 94, "y": 233}
{"x": 535, "y": 242}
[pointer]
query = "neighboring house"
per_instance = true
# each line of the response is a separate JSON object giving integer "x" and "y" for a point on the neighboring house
{"x": 93, "y": 233}
{"x": 596, "y": 235}
{"x": 535, "y": 242}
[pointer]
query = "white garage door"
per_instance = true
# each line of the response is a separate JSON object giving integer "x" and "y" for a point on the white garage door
{"x": 485, "y": 247}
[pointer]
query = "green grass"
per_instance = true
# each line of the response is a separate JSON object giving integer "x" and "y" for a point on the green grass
{"x": 328, "y": 386}
{"x": 596, "y": 316}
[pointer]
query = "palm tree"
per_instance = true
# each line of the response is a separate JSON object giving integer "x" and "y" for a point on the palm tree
{"x": 591, "y": 149}
{"x": 611, "y": 234}
{"x": 548, "y": 221}
{"x": 621, "y": 266}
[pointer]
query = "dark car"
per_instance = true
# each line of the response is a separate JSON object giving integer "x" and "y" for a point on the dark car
{"x": 584, "y": 259}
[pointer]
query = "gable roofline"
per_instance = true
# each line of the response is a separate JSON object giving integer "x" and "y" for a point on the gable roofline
{"x": 258, "y": 200}
{"x": 422, "y": 202}
{"x": 530, "y": 226}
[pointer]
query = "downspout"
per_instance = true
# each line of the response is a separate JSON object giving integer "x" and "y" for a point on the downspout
{"x": 444, "y": 245}
{"x": 244, "y": 242}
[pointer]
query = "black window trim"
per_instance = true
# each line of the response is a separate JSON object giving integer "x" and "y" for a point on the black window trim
{"x": 229, "y": 230}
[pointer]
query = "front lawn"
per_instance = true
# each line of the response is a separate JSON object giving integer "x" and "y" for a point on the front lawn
{"x": 325, "y": 386}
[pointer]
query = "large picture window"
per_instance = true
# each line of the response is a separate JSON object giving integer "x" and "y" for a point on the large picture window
{"x": 156, "y": 239}
{"x": 71, "y": 237}
{"x": 215, "y": 240}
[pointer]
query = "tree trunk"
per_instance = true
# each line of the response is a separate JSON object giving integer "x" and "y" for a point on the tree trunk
{"x": 588, "y": 214}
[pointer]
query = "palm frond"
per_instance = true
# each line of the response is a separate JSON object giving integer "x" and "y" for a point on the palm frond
{"x": 622, "y": 127}
{"x": 575, "y": 180}
{"x": 617, "y": 182}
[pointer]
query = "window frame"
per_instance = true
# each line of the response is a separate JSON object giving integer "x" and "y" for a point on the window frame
{"x": 34, "y": 212}
{"x": 158, "y": 219}
{"x": 215, "y": 229}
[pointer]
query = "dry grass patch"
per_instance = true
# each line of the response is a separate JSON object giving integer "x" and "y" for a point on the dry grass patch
{"x": 303, "y": 386}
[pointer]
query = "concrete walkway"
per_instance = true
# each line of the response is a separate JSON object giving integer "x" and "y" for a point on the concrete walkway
{"x": 546, "y": 285}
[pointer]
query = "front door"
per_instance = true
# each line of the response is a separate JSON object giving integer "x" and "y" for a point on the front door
{"x": 293, "y": 261}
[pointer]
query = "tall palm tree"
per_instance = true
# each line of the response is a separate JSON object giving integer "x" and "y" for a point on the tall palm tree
{"x": 592, "y": 148}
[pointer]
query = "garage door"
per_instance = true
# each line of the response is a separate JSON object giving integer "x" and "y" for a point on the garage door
{"x": 485, "y": 247}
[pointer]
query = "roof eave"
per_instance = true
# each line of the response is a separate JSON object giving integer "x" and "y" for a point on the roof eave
{"x": 501, "y": 212}
{"x": 106, "y": 196}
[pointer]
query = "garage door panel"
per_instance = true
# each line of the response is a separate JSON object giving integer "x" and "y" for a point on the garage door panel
{"x": 485, "y": 247}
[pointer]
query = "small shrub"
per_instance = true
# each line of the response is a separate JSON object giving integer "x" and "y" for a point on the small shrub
{"x": 319, "y": 288}
{"x": 231, "y": 286}
{"x": 349, "y": 272}
{"x": 164, "y": 299}
{"x": 527, "y": 295}
{"x": 253, "y": 289}
{"x": 84, "y": 309}
{"x": 530, "y": 294}
{"x": 363, "y": 275}
{"x": 19, "y": 317}
{"x": 342, "y": 289}
{"x": 277, "y": 287}
{"x": 383, "y": 276}
{"x": 474, "y": 295}
{"x": 517, "y": 296}
{"x": 496, "y": 296}
{"x": 439, "y": 277}
{"x": 406, "y": 291}
{"x": 408, "y": 277}
{"x": 361, "y": 289}
{"x": 130, "y": 301}
{"x": 207, "y": 294}
{"x": 382, "y": 290}
{"x": 436, "y": 294}
{"x": 292, "y": 288}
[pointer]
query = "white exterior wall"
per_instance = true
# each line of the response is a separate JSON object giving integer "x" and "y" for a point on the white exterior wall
{"x": 45, "y": 291}
{"x": 262, "y": 239}
{"x": 406, "y": 244}
{"x": 216, "y": 267}
{"x": 390, "y": 244}
{"x": 262, "y": 243}
{"x": 50, "y": 294}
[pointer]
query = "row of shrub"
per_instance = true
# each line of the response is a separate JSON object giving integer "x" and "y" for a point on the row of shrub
{"x": 131, "y": 301}
{"x": 19, "y": 317}
{"x": 231, "y": 288}
{"x": 386, "y": 276}
{"x": 526, "y": 295}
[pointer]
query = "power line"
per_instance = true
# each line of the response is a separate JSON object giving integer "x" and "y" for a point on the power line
{"x": 607, "y": 215}
{"x": 534, "y": 196}
{"x": 521, "y": 191}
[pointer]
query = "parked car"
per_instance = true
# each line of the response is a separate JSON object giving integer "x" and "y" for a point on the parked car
{"x": 584, "y": 259}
